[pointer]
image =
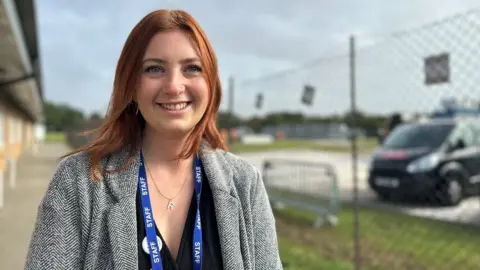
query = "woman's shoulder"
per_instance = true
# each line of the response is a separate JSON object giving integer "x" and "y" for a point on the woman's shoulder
{"x": 239, "y": 165}
{"x": 76, "y": 161}
{"x": 79, "y": 164}
{"x": 234, "y": 170}
{"x": 75, "y": 170}
{"x": 71, "y": 172}
{"x": 72, "y": 179}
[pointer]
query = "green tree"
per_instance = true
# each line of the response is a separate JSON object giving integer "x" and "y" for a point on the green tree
{"x": 227, "y": 120}
{"x": 95, "y": 116}
{"x": 62, "y": 117}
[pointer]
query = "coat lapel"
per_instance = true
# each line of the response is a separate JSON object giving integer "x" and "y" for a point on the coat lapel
{"x": 227, "y": 208}
{"x": 122, "y": 233}
{"x": 121, "y": 218}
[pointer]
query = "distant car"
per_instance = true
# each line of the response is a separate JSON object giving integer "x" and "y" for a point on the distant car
{"x": 438, "y": 159}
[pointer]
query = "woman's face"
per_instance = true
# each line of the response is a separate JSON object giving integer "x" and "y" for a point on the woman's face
{"x": 172, "y": 94}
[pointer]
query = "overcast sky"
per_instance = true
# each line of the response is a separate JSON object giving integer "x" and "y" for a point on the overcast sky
{"x": 81, "y": 40}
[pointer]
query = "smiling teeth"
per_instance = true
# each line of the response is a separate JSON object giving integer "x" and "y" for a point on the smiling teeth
{"x": 174, "y": 107}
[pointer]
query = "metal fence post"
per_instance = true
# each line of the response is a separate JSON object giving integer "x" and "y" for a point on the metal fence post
{"x": 353, "y": 139}
{"x": 231, "y": 102}
{"x": 231, "y": 95}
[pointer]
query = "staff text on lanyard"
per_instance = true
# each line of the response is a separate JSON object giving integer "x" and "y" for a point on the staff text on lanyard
{"x": 153, "y": 244}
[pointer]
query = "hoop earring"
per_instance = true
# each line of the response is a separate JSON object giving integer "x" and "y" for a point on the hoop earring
{"x": 136, "y": 112}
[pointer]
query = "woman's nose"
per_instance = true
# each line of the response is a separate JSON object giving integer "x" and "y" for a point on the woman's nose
{"x": 174, "y": 84}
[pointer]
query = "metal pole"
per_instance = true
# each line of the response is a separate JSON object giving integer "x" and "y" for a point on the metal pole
{"x": 231, "y": 97}
{"x": 353, "y": 130}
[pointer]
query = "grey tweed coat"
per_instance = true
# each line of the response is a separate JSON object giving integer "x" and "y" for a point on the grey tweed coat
{"x": 81, "y": 225}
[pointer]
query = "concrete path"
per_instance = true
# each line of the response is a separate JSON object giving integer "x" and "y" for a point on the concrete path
{"x": 17, "y": 218}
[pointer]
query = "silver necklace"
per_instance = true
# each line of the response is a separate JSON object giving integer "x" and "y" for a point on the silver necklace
{"x": 170, "y": 203}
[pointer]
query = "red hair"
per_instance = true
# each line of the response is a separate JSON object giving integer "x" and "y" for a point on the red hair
{"x": 122, "y": 127}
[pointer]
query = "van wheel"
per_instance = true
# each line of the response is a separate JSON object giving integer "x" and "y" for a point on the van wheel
{"x": 451, "y": 191}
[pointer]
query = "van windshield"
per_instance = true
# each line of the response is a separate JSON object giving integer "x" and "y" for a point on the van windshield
{"x": 418, "y": 135}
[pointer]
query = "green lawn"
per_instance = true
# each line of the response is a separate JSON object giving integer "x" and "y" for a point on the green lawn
{"x": 296, "y": 256}
{"x": 363, "y": 145}
{"x": 389, "y": 240}
{"x": 55, "y": 137}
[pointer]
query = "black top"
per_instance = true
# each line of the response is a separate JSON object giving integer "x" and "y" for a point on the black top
{"x": 212, "y": 256}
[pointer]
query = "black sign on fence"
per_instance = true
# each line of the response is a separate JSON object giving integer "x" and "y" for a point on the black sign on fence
{"x": 437, "y": 69}
{"x": 259, "y": 101}
{"x": 308, "y": 93}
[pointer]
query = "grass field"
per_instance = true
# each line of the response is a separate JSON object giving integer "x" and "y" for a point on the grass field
{"x": 388, "y": 240}
{"x": 297, "y": 256}
{"x": 363, "y": 145}
{"x": 55, "y": 137}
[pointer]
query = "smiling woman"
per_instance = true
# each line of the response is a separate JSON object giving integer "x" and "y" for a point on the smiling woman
{"x": 156, "y": 189}
{"x": 172, "y": 78}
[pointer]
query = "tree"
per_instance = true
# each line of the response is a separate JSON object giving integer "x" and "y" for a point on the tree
{"x": 62, "y": 117}
{"x": 227, "y": 120}
{"x": 255, "y": 123}
{"x": 95, "y": 116}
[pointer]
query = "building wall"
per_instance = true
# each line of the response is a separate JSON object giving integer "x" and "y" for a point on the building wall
{"x": 16, "y": 134}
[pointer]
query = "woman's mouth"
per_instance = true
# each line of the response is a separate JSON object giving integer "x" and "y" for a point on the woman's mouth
{"x": 175, "y": 107}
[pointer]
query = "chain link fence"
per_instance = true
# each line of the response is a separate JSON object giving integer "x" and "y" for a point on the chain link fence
{"x": 413, "y": 203}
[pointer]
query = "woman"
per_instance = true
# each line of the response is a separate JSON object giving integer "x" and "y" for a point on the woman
{"x": 155, "y": 189}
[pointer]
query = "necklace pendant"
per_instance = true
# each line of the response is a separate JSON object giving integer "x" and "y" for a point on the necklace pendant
{"x": 170, "y": 205}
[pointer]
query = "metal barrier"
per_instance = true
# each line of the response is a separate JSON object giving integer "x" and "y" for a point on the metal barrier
{"x": 310, "y": 186}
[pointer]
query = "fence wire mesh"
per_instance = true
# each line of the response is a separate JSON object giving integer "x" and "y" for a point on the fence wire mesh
{"x": 422, "y": 216}
{"x": 431, "y": 70}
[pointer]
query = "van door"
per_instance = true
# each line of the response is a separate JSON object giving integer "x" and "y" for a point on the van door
{"x": 475, "y": 162}
{"x": 469, "y": 154}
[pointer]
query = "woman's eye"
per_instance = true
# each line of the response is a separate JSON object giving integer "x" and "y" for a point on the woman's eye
{"x": 194, "y": 68}
{"x": 155, "y": 69}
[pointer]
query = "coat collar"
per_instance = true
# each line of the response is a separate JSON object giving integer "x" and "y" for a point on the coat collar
{"x": 123, "y": 184}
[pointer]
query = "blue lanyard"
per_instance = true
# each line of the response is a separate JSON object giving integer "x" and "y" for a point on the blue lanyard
{"x": 153, "y": 245}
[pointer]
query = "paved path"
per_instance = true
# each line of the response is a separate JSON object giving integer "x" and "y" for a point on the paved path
{"x": 17, "y": 218}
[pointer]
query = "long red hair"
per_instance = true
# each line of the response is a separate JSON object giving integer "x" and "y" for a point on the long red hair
{"x": 122, "y": 126}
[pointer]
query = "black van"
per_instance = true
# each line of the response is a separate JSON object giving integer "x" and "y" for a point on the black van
{"x": 437, "y": 159}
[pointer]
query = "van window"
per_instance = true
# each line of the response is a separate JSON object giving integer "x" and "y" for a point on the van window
{"x": 418, "y": 135}
{"x": 466, "y": 133}
{"x": 476, "y": 130}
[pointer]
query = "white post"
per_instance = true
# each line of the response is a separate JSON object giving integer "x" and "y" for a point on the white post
{"x": 12, "y": 172}
{"x": 35, "y": 148}
{"x": 1, "y": 190}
